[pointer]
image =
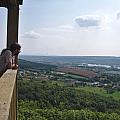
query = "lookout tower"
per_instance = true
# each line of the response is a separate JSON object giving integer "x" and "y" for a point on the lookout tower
{"x": 8, "y": 90}
{"x": 12, "y": 19}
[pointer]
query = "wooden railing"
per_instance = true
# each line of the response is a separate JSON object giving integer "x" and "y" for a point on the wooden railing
{"x": 8, "y": 95}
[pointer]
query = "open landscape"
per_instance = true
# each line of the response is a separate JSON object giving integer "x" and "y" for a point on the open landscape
{"x": 68, "y": 89}
{"x": 68, "y": 60}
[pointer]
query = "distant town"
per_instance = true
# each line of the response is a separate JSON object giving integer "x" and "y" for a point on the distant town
{"x": 84, "y": 74}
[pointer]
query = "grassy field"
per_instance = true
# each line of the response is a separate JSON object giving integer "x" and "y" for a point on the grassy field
{"x": 97, "y": 90}
{"x": 101, "y": 91}
{"x": 74, "y": 76}
{"x": 60, "y": 83}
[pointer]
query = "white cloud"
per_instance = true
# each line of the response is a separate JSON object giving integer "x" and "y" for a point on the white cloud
{"x": 92, "y": 21}
{"x": 31, "y": 35}
{"x": 67, "y": 27}
{"x": 61, "y": 28}
{"x": 88, "y": 21}
{"x": 118, "y": 15}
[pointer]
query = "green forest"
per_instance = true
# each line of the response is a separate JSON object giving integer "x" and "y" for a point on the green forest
{"x": 46, "y": 100}
{"x": 47, "y": 94}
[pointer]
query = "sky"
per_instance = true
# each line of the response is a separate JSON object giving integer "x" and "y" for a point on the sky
{"x": 67, "y": 27}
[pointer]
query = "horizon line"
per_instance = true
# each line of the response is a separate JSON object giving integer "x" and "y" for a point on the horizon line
{"x": 73, "y": 55}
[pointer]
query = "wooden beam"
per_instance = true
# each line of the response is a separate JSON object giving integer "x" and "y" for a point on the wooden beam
{"x": 12, "y": 24}
{"x": 14, "y": 2}
{"x": 6, "y": 3}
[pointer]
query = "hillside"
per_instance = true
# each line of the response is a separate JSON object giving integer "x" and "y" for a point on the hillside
{"x": 24, "y": 64}
{"x": 44, "y": 93}
{"x": 106, "y": 60}
{"x": 80, "y": 72}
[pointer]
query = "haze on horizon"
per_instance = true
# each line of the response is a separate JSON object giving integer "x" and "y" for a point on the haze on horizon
{"x": 67, "y": 27}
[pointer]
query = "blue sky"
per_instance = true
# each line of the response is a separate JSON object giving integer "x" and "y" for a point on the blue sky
{"x": 67, "y": 27}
